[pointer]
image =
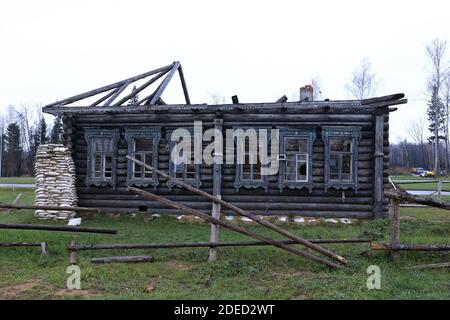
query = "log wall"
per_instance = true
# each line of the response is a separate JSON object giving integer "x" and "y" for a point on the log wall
{"x": 358, "y": 204}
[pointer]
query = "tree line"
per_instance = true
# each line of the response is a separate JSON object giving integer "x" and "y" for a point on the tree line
{"x": 428, "y": 147}
{"x": 22, "y": 130}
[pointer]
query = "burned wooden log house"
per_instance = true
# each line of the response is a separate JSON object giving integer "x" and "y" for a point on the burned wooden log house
{"x": 333, "y": 157}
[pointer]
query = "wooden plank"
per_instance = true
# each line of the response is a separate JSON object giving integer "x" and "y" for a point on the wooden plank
{"x": 123, "y": 259}
{"x": 235, "y": 228}
{"x": 241, "y": 212}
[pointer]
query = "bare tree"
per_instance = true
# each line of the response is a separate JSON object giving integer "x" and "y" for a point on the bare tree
{"x": 446, "y": 100}
{"x": 216, "y": 98}
{"x": 316, "y": 83}
{"x": 436, "y": 55}
{"x": 416, "y": 131}
{"x": 362, "y": 84}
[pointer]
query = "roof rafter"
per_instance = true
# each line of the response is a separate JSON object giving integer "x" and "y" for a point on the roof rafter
{"x": 114, "y": 90}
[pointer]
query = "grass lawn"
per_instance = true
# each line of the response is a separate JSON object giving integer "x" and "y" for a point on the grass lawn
{"x": 17, "y": 180}
{"x": 240, "y": 273}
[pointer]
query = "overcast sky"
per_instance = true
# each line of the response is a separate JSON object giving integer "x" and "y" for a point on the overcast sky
{"x": 258, "y": 50}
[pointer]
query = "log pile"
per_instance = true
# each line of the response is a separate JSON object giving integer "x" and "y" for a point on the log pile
{"x": 55, "y": 181}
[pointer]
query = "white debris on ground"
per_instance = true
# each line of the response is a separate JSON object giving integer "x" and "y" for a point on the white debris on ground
{"x": 55, "y": 181}
{"x": 245, "y": 219}
{"x": 331, "y": 221}
{"x": 345, "y": 221}
{"x": 282, "y": 219}
{"x": 299, "y": 220}
{"x": 156, "y": 215}
{"x": 180, "y": 217}
{"x": 74, "y": 222}
{"x": 229, "y": 218}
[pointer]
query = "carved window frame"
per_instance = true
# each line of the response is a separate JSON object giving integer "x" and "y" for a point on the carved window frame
{"x": 354, "y": 133}
{"x": 239, "y": 181}
{"x": 301, "y": 133}
{"x": 146, "y": 133}
{"x": 196, "y": 181}
{"x": 92, "y": 134}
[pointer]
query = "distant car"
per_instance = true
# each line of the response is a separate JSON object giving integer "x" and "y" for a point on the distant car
{"x": 418, "y": 171}
{"x": 427, "y": 174}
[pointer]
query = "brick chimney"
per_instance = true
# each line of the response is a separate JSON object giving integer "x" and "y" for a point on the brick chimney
{"x": 306, "y": 93}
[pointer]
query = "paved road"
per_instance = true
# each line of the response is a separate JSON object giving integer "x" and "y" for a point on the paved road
{"x": 17, "y": 185}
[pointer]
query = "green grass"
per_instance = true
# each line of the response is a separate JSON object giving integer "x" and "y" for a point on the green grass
{"x": 17, "y": 180}
{"x": 240, "y": 273}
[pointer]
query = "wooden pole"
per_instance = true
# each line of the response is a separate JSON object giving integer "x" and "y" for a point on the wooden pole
{"x": 73, "y": 253}
{"x": 57, "y": 228}
{"x": 410, "y": 247}
{"x": 124, "y": 259}
{"x": 224, "y": 224}
{"x": 43, "y": 245}
{"x": 431, "y": 266}
{"x": 217, "y": 186}
{"x": 170, "y": 245}
{"x": 246, "y": 214}
{"x": 395, "y": 228}
{"x": 56, "y": 208}
{"x": 401, "y": 194}
{"x": 378, "y": 167}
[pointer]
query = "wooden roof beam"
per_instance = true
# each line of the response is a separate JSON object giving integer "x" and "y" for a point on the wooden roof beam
{"x": 109, "y": 87}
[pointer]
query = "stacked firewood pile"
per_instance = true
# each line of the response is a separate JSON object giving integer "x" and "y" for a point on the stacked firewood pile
{"x": 55, "y": 181}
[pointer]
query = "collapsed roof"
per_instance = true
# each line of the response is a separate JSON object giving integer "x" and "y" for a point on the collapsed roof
{"x": 112, "y": 98}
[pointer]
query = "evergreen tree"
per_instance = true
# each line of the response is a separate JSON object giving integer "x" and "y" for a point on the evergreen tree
{"x": 436, "y": 118}
{"x": 56, "y": 133}
{"x": 43, "y": 138}
{"x": 13, "y": 150}
{"x": 35, "y": 141}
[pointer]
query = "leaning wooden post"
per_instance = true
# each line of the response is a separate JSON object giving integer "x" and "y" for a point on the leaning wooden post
{"x": 378, "y": 169}
{"x": 244, "y": 213}
{"x": 217, "y": 190}
{"x": 395, "y": 229}
{"x": 73, "y": 253}
{"x": 208, "y": 218}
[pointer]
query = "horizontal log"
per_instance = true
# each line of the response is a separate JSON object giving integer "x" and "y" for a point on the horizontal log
{"x": 110, "y": 246}
{"x": 244, "y": 205}
{"x": 41, "y": 207}
{"x": 276, "y": 213}
{"x": 123, "y": 259}
{"x": 431, "y": 266}
{"x": 57, "y": 228}
{"x": 410, "y": 247}
{"x": 402, "y": 195}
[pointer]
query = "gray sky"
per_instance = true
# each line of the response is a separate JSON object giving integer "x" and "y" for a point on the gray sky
{"x": 258, "y": 50}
